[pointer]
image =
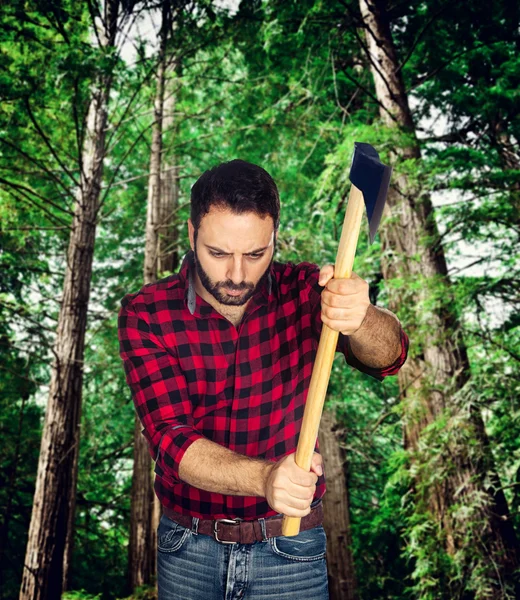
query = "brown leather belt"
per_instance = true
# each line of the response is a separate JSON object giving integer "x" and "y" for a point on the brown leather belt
{"x": 233, "y": 531}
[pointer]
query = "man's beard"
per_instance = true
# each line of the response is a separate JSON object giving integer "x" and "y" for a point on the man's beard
{"x": 213, "y": 288}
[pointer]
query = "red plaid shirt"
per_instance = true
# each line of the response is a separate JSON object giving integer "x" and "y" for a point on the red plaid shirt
{"x": 193, "y": 374}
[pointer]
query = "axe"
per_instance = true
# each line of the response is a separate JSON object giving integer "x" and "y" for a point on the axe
{"x": 370, "y": 179}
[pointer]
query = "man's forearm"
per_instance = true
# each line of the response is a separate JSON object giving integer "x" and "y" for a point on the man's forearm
{"x": 211, "y": 467}
{"x": 377, "y": 343}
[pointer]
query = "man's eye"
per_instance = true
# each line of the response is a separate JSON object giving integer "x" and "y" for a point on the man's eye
{"x": 255, "y": 256}
{"x": 217, "y": 254}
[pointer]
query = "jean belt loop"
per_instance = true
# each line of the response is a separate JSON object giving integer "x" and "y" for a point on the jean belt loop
{"x": 195, "y": 525}
{"x": 262, "y": 526}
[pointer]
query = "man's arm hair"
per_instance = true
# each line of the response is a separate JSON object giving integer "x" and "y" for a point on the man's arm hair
{"x": 377, "y": 343}
{"x": 214, "y": 468}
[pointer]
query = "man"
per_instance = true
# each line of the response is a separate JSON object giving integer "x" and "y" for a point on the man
{"x": 219, "y": 359}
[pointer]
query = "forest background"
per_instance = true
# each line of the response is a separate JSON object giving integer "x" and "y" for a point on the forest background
{"x": 110, "y": 113}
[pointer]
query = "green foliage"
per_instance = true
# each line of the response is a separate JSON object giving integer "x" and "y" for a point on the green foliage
{"x": 285, "y": 85}
{"x": 369, "y": 416}
{"x": 446, "y": 444}
{"x": 80, "y": 595}
{"x": 144, "y": 592}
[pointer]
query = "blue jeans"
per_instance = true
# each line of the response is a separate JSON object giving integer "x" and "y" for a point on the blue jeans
{"x": 194, "y": 566}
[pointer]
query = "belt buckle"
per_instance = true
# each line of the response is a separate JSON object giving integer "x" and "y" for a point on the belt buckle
{"x": 215, "y": 526}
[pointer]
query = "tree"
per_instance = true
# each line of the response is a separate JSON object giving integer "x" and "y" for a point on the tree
{"x": 436, "y": 382}
{"x": 336, "y": 514}
{"x": 49, "y": 545}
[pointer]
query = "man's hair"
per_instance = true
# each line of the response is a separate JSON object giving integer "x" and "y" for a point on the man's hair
{"x": 238, "y": 185}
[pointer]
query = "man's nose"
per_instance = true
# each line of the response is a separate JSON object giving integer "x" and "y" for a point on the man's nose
{"x": 236, "y": 271}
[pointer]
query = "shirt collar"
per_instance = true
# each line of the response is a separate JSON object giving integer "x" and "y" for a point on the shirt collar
{"x": 266, "y": 292}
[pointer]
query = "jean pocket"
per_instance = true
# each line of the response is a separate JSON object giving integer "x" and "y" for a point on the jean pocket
{"x": 171, "y": 535}
{"x": 308, "y": 545}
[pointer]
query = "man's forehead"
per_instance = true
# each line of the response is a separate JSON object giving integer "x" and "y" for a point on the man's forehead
{"x": 232, "y": 232}
{"x": 225, "y": 215}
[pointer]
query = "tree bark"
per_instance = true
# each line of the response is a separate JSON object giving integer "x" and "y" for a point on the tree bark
{"x": 140, "y": 548}
{"x": 69, "y": 539}
{"x": 142, "y": 533}
{"x": 168, "y": 255}
{"x": 49, "y": 541}
{"x": 145, "y": 506}
{"x": 336, "y": 514}
{"x": 153, "y": 216}
{"x": 435, "y": 380}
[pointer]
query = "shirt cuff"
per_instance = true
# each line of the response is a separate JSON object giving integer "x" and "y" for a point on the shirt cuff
{"x": 172, "y": 447}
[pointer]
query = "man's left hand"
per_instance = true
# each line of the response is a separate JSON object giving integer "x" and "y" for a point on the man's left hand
{"x": 344, "y": 302}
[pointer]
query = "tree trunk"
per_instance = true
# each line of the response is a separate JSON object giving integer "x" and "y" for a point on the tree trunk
{"x": 54, "y": 494}
{"x": 336, "y": 518}
{"x": 145, "y": 506}
{"x": 142, "y": 535}
{"x": 54, "y": 497}
{"x": 69, "y": 540}
{"x": 153, "y": 216}
{"x": 141, "y": 552}
{"x": 435, "y": 381}
{"x": 168, "y": 255}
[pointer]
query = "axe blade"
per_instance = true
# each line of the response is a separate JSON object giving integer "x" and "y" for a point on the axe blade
{"x": 372, "y": 177}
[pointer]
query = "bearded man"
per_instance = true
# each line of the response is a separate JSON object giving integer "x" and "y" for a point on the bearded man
{"x": 219, "y": 358}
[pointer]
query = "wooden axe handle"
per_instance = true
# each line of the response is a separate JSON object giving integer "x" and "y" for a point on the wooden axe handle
{"x": 326, "y": 349}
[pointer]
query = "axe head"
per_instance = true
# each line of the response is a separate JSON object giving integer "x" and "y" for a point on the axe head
{"x": 372, "y": 177}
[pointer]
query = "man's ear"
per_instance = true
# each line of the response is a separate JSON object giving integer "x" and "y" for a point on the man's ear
{"x": 191, "y": 234}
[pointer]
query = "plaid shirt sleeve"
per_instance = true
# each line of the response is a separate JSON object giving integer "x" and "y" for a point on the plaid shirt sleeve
{"x": 343, "y": 346}
{"x": 159, "y": 391}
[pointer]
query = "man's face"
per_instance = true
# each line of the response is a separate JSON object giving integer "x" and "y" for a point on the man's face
{"x": 233, "y": 253}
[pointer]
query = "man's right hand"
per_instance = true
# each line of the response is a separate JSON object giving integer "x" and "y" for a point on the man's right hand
{"x": 289, "y": 489}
